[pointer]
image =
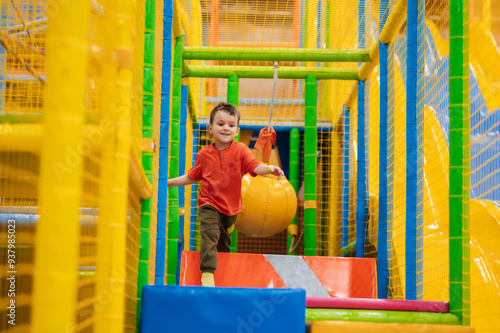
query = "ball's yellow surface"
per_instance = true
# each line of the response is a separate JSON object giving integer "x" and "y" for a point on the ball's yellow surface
{"x": 270, "y": 205}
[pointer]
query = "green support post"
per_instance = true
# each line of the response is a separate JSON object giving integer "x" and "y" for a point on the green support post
{"x": 147, "y": 157}
{"x": 459, "y": 162}
{"x": 311, "y": 146}
{"x": 293, "y": 175}
{"x": 233, "y": 97}
{"x": 173, "y": 193}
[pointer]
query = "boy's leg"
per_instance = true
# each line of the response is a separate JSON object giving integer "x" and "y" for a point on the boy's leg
{"x": 226, "y": 229}
{"x": 210, "y": 233}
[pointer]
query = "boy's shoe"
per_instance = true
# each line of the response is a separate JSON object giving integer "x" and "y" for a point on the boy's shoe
{"x": 207, "y": 279}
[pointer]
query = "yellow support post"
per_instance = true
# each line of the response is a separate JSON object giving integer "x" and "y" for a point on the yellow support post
{"x": 336, "y": 193}
{"x": 105, "y": 290}
{"x": 311, "y": 28}
{"x": 58, "y": 230}
{"x": 125, "y": 24}
{"x": 176, "y": 24}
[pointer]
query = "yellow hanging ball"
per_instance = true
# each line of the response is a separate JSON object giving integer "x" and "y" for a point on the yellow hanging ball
{"x": 270, "y": 205}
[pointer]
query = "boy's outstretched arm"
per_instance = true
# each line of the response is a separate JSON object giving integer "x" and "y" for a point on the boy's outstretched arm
{"x": 181, "y": 181}
{"x": 265, "y": 169}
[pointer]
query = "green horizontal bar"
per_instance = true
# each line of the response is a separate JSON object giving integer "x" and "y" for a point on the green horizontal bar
{"x": 379, "y": 316}
{"x": 267, "y": 72}
{"x": 274, "y": 54}
{"x": 16, "y": 117}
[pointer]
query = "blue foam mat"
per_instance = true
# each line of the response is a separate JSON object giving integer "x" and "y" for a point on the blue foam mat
{"x": 239, "y": 310}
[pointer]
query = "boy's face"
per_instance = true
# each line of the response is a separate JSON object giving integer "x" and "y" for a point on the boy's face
{"x": 224, "y": 129}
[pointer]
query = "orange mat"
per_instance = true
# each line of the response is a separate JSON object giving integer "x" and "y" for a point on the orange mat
{"x": 352, "y": 326}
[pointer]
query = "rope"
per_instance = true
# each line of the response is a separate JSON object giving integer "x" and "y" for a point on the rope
{"x": 20, "y": 18}
{"x": 294, "y": 246}
{"x": 23, "y": 44}
{"x": 3, "y": 41}
{"x": 275, "y": 81}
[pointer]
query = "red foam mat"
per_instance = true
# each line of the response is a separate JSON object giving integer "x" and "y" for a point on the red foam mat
{"x": 341, "y": 277}
{"x": 234, "y": 270}
{"x": 345, "y": 277}
{"x": 376, "y": 304}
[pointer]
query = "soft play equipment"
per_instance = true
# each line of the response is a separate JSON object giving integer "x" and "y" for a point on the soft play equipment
{"x": 318, "y": 276}
{"x": 217, "y": 310}
{"x": 270, "y": 205}
{"x": 350, "y": 327}
{"x": 379, "y": 310}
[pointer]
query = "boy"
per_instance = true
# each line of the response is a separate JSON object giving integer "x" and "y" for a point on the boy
{"x": 220, "y": 167}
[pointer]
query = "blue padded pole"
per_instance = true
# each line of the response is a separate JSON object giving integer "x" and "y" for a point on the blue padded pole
{"x": 194, "y": 188}
{"x": 344, "y": 221}
{"x": 361, "y": 181}
{"x": 382, "y": 263}
{"x": 411, "y": 150}
{"x": 3, "y": 23}
{"x": 182, "y": 168}
{"x": 161, "y": 235}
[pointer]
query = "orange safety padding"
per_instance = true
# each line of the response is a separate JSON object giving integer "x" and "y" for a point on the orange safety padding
{"x": 345, "y": 277}
{"x": 358, "y": 327}
{"x": 234, "y": 270}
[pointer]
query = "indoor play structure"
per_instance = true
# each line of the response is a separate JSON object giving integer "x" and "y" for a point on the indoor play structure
{"x": 383, "y": 114}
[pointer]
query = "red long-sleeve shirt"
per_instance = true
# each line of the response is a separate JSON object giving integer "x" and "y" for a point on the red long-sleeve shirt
{"x": 220, "y": 172}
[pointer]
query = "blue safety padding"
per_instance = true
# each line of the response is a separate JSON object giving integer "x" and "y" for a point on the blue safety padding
{"x": 204, "y": 309}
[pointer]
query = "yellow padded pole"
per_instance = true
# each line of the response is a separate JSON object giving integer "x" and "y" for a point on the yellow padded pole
{"x": 176, "y": 24}
{"x": 125, "y": 23}
{"x": 311, "y": 28}
{"x": 367, "y": 68}
{"x": 336, "y": 181}
{"x": 57, "y": 233}
{"x": 351, "y": 98}
{"x": 393, "y": 22}
{"x": 138, "y": 176}
{"x": 105, "y": 289}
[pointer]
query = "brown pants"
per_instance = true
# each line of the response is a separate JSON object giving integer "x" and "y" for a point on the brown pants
{"x": 215, "y": 237}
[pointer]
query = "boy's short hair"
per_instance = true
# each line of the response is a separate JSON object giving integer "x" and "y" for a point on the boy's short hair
{"x": 227, "y": 107}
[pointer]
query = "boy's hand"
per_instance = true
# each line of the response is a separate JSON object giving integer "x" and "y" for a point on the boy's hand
{"x": 276, "y": 171}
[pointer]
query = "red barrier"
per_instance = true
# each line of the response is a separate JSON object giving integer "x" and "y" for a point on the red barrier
{"x": 376, "y": 304}
{"x": 340, "y": 277}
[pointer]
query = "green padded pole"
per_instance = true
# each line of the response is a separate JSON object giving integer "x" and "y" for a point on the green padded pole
{"x": 275, "y": 54}
{"x": 379, "y": 316}
{"x": 262, "y": 72}
{"x": 147, "y": 157}
{"x": 233, "y": 97}
{"x": 293, "y": 175}
{"x": 459, "y": 157}
{"x": 311, "y": 146}
{"x": 173, "y": 192}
